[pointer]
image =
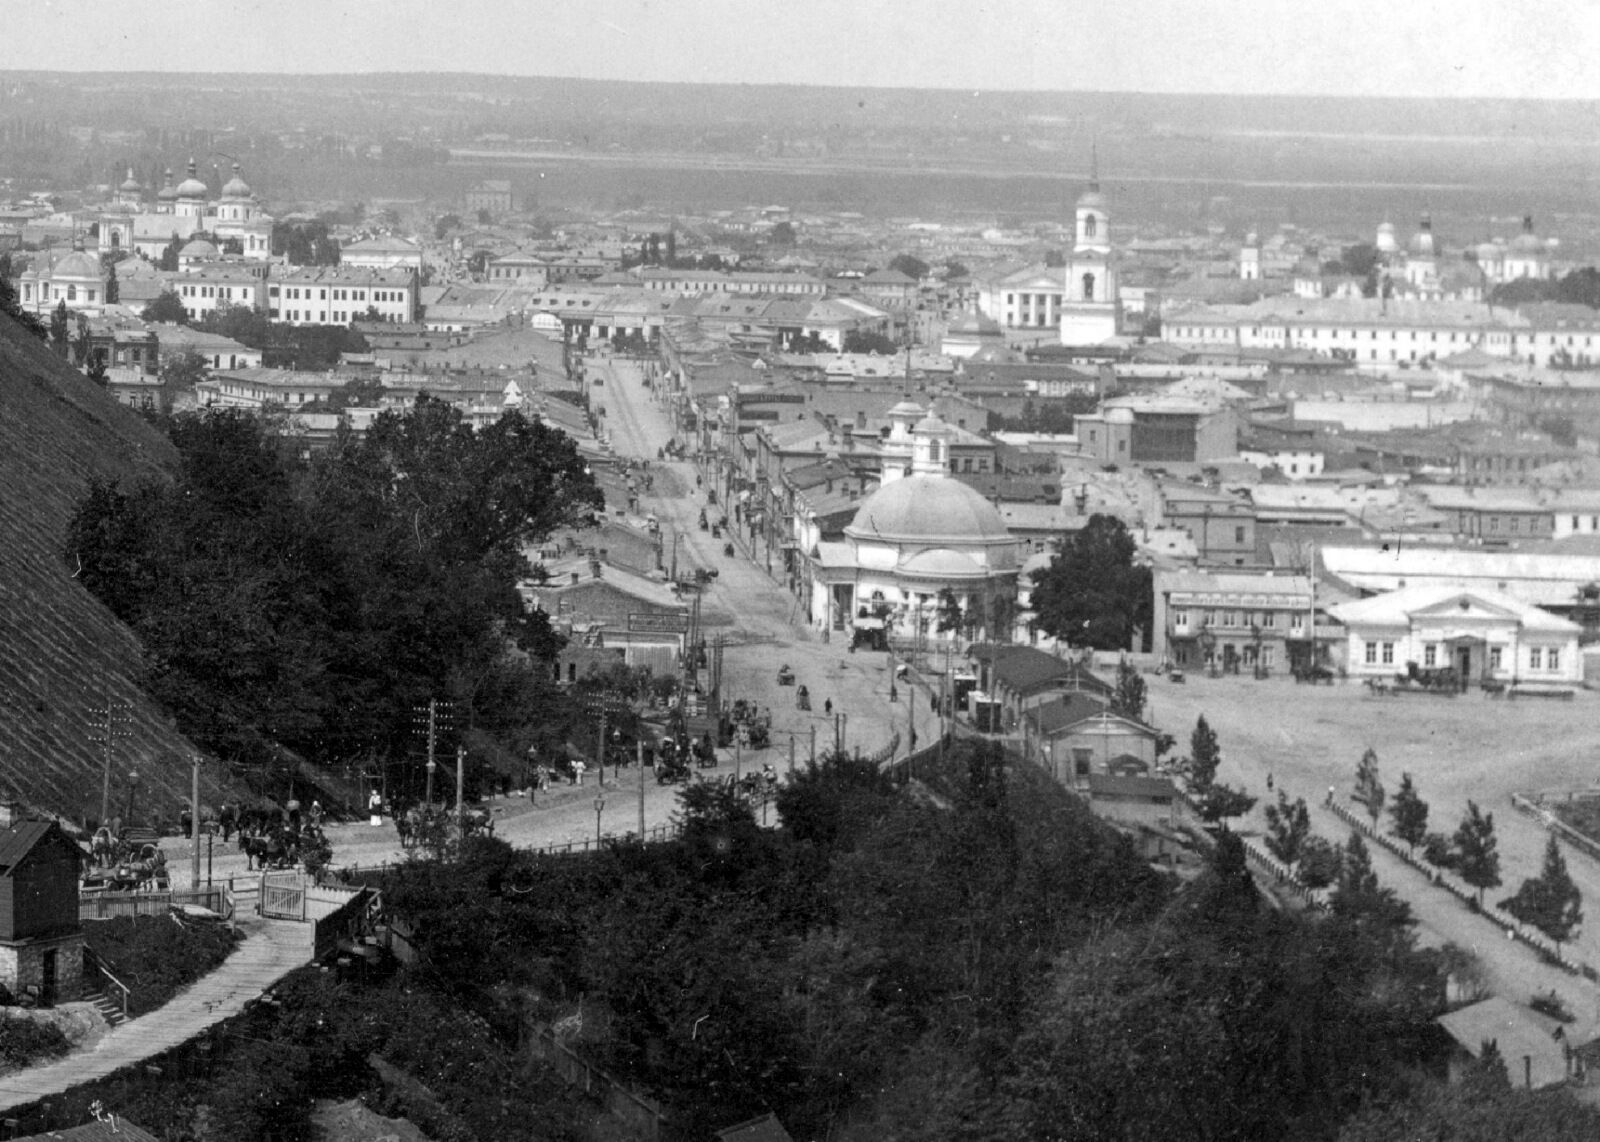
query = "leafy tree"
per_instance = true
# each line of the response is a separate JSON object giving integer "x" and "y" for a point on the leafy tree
{"x": 1223, "y": 803}
{"x": 913, "y": 267}
{"x": 1055, "y": 259}
{"x": 1128, "y": 699}
{"x": 1369, "y": 788}
{"x": 1478, "y": 859}
{"x": 182, "y": 371}
{"x": 113, "y": 290}
{"x": 1289, "y": 827}
{"x": 782, "y": 234}
{"x": 1321, "y": 862}
{"x": 96, "y": 371}
{"x": 954, "y": 270}
{"x": 950, "y": 616}
{"x": 60, "y": 328}
{"x": 169, "y": 256}
{"x": 9, "y": 303}
{"x": 1551, "y": 902}
{"x": 1409, "y": 813}
{"x": 862, "y": 341}
{"x": 1093, "y": 593}
{"x": 1204, "y": 754}
{"x": 1439, "y": 851}
{"x": 445, "y": 224}
{"x": 167, "y": 306}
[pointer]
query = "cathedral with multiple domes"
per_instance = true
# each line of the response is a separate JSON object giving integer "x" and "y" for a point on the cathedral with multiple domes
{"x": 233, "y": 221}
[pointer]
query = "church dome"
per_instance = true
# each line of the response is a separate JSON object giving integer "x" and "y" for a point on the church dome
{"x": 130, "y": 185}
{"x": 192, "y": 187}
{"x": 932, "y": 510}
{"x": 1091, "y": 198}
{"x": 975, "y": 324}
{"x": 1489, "y": 251}
{"x": 168, "y": 192}
{"x": 77, "y": 264}
{"x": 199, "y": 248}
{"x": 236, "y": 187}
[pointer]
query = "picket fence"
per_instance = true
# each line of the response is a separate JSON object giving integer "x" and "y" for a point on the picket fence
{"x": 1513, "y": 928}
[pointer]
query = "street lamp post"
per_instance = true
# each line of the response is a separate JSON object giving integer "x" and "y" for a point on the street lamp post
{"x": 616, "y": 755}
{"x": 428, "y": 796}
{"x": 133, "y": 788}
{"x": 599, "y": 807}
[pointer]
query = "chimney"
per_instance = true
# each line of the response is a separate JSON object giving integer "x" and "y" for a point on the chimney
{"x": 594, "y": 568}
{"x": 574, "y": 576}
{"x": 11, "y": 811}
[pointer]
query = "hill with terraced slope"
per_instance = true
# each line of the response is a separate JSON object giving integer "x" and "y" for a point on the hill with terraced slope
{"x": 62, "y": 653}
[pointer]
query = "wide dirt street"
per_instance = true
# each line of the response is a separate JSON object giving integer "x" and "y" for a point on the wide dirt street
{"x": 1312, "y": 737}
{"x": 749, "y": 608}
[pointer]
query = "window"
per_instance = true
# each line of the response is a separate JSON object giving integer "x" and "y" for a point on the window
{"x": 1371, "y": 657}
{"x": 1180, "y": 619}
{"x": 1430, "y": 655}
{"x": 1229, "y": 618}
{"x": 1388, "y": 654}
{"x": 1535, "y": 658}
{"x": 1268, "y": 654}
{"x": 1269, "y": 619}
{"x": 1211, "y": 618}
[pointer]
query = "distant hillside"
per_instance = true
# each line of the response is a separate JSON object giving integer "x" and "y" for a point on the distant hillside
{"x": 62, "y": 654}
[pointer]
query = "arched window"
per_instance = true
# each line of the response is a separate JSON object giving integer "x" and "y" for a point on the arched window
{"x": 1089, "y": 224}
{"x": 1088, "y": 287}
{"x": 72, "y": 293}
{"x": 933, "y": 451}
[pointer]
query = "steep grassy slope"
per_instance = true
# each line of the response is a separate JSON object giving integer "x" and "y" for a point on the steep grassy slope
{"x": 62, "y": 654}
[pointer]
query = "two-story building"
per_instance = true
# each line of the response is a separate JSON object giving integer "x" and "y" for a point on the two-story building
{"x": 335, "y": 295}
{"x": 1232, "y": 620}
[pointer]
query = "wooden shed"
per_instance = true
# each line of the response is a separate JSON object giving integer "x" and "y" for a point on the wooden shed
{"x": 41, "y": 938}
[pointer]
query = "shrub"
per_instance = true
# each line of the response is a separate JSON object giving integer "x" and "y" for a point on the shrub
{"x": 1439, "y": 851}
{"x": 24, "y": 1042}
{"x": 156, "y": 956}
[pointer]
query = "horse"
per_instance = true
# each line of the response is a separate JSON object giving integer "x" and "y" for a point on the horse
{"x": 104, "y": 847}
{"x": 265, "y": 849}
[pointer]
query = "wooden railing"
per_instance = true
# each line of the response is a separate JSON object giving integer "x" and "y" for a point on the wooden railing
{"x": 108, "y": 905}
{"x": 115, "y": 988}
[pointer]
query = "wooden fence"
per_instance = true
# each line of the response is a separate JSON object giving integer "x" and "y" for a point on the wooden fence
{"x": 640, "y": 1116}
{"x": 1514, "y": 928}
{"x": 109, "y": 905}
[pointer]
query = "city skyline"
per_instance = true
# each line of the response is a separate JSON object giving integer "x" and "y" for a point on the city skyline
{"x": 1426, "y": 48}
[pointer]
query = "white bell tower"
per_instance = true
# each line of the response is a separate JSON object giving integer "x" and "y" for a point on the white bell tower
{"x": 1089, "y": 307}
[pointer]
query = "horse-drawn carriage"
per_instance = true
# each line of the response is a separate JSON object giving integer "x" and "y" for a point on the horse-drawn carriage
{"x": 437, "y": 824}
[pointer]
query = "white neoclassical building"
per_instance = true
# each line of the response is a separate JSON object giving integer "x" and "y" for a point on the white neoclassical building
{"x": 1482, "y": 634}
{"x": 918, "y": 534}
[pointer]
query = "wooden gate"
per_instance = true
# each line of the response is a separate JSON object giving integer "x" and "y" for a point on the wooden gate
{"x": 283, "y": 896}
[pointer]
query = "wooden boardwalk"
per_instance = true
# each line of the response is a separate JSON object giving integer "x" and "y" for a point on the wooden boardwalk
{"x": 270, "y": 950}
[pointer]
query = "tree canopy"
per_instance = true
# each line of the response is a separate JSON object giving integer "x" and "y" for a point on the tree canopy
{"x": 1094, "y": 593}
{"x": 167, "y": 306}
{"x": 312, "y": 607}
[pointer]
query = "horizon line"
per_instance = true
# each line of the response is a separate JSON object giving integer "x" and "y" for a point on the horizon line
{"x": 742, "y": 84}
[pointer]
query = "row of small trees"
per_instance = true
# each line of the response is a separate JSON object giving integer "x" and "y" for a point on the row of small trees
{"x": 1551, "y": 901}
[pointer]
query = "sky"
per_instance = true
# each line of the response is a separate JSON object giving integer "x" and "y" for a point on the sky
{"x": 1433, "y": 48}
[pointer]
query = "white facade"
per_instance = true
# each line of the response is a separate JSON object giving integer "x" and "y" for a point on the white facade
{"x": 1481, "y": 634}
{"x": 334, "y": 295}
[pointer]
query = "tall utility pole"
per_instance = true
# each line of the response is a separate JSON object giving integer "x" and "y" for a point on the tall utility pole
{"x": 111, "y": 727}
{"x": 435, "y": 713}
{"x": 600, "y": 747}
{"x": 461, "y": 805}
{"x": 194, "y": 821}
{"x": 640, "y": 744}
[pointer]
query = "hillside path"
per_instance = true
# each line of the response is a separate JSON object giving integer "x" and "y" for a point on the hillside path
{"x": 269, "y": 950}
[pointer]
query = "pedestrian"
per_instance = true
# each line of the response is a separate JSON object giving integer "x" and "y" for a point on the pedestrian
{"x": 577, "y": 771}
{"x": 375, "y": 808}
{"x": 1269, "y": 783}
{"x": 827, "y": 706}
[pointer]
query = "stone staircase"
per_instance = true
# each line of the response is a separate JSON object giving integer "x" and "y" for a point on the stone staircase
{"x": 107, "y": 1007}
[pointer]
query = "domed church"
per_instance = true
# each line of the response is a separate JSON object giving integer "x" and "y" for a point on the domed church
{"x": 918, "y": 534}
